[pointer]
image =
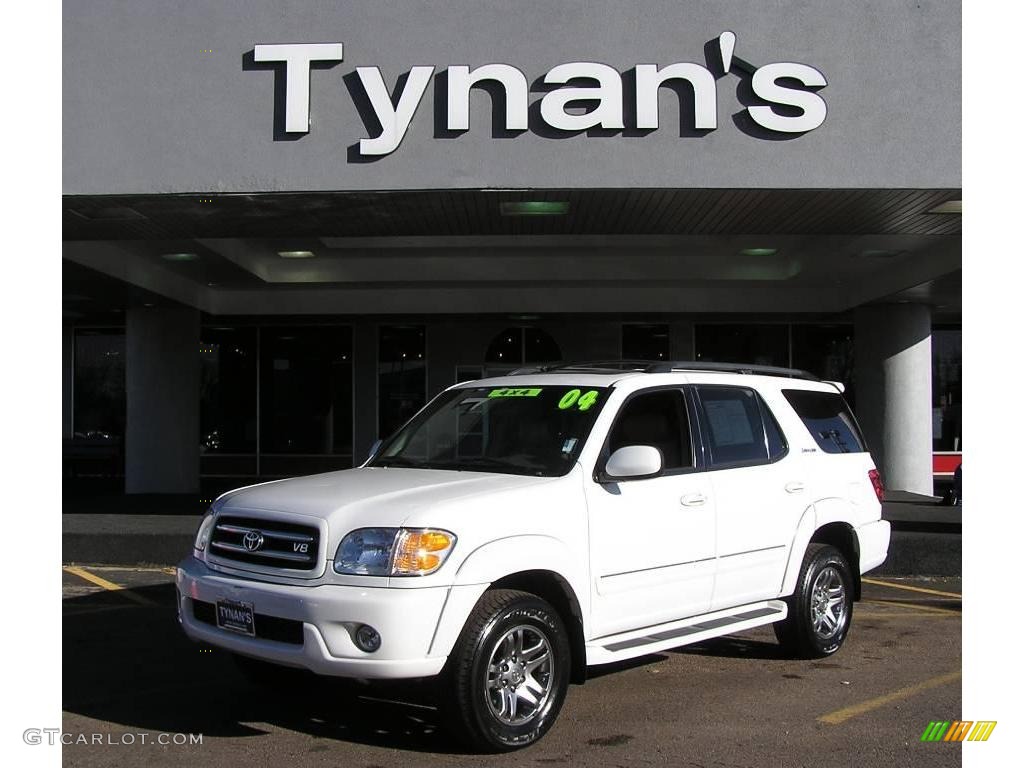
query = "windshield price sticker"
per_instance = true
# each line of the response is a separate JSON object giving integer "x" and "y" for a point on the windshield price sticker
{"x": 573, "y": 397}
{"x": 514, "y": 392}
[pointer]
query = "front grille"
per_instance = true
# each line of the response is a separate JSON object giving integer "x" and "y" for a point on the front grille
{"x": 267, "y": 627}
{"x": 271, "y": 543}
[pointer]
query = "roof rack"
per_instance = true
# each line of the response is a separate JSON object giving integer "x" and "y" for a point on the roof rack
{"x": 668, "y": 366}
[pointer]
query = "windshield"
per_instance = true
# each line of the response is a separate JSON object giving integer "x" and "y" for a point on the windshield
{"x": 537, "y": 430}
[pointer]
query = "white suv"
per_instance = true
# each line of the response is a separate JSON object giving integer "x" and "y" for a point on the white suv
{"x": 520, "y": 529}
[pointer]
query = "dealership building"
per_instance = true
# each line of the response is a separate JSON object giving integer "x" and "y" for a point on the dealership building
{"x": 287, "y": 226}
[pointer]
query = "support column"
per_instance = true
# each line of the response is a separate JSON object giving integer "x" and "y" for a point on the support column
{"x": 893, "y": 359}
{"x": 162, "y": 394}
{"x": 680, "y": 339}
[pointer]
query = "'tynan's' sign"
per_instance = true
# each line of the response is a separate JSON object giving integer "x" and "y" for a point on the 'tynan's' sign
{"x": 788, "y": 85}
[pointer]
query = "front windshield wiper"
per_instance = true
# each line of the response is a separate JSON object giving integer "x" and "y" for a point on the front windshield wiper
{"x": 486, "y": 462}
{"x": 399, "y": 461}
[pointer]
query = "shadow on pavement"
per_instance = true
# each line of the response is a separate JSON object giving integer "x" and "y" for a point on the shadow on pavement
{"x": 132, "y": 665}
{"x": 735, "y": 648}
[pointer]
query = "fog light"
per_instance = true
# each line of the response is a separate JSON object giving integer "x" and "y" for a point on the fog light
{"x": 367, "y": 638}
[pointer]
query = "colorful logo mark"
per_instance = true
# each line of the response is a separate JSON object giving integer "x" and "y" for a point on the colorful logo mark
{"x": 958, "y": 730}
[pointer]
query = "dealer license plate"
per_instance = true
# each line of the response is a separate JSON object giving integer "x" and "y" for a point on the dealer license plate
{"x": 238, "y": 617}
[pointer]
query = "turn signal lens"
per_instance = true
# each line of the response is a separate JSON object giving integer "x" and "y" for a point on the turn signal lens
{"x": 418, "y": 553}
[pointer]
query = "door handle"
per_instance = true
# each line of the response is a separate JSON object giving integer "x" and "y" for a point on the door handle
{"x": 794, "y": 487}
{"x": 693, "y": 500}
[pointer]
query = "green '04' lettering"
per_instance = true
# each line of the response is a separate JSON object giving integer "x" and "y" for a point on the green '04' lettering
{"x": 573, "y": 397}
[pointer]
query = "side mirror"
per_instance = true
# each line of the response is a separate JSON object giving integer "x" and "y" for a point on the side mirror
{"x": 633, "y": 462}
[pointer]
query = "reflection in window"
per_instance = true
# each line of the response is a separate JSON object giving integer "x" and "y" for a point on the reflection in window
{"x": 99, "y": 398}
{"x": 946, "y": 389}
{"x": 227, "y": 405}
{"x": 401, "y": 375}
{"x": 306, "y": 391}
{"x": 734, "y": 343}
{"x": 644, "y": 341}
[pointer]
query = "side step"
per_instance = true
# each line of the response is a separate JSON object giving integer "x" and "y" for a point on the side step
{"x": 639, "y": 642}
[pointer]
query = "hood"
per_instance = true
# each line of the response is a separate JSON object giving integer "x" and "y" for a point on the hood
{"x": 371, "y": 496}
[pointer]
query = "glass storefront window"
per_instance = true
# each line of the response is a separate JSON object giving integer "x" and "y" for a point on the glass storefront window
{"x": 305, "y": 394}
{"x": 644, "y": 341}
{"x": 519, "y": 345}
{"x": 99, "y": 397}
{"x": 506, "y": 348}
{"x": 401, "y": 375}
{"x": 825, "y": 351}
{"x": 736, "y": 343}
{"x": 946, "y": 391}
{"x": 227, "y": 406}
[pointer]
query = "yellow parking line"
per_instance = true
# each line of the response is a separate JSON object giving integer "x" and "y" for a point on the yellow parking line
{"x": 99, "y": 581}
{"x": 909, "y": 588}
{"x": 844, "y": 714}
{"x": 912, "y": 606}
{"x": 903, "y": 614}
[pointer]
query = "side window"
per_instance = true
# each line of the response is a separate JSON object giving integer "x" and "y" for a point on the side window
{"x": 777, "y": 445}
{"x": 828, "y": 419}
{"x": 732, "y": 423}
{"x": 655, "y": 418}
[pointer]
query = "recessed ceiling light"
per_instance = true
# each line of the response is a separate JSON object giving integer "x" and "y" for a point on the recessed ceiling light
{"x": 759, "y": 251}
{"x": 535, "y": 208}
{"x": 179, "y": 256}
{"x": 950, "y": 206}
{"x": 296, "y": 254}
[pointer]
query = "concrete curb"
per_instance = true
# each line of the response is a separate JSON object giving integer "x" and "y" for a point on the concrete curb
{"x": 127, "y": 539}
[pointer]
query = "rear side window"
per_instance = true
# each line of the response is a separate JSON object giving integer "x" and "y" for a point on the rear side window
{"x": 732, "y": 422}
{"x": 828, "y": 419}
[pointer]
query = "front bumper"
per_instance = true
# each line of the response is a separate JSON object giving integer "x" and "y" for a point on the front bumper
{"x": 328, "y": 615}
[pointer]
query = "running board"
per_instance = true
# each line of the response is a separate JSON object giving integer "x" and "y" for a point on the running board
{"x": 639, "y": 642}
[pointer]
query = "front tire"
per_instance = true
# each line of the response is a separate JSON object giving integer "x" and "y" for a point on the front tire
{"x": 821, "y": 608}
{"x": 508, "y": 674}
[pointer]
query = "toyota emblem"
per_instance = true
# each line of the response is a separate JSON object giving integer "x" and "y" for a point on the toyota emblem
{"x": 252, "y": 540}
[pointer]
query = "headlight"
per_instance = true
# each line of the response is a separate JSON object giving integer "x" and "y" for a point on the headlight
{"x": 393, "y": 551}
{"x": 203, "y": 534}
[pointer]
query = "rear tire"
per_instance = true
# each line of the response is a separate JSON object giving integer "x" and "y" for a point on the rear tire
{"x": 821, "y": 608}
{"x": 507, "y": 676}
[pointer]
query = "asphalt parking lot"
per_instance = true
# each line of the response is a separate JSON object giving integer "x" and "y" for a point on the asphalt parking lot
{"x": 131, "y": 675}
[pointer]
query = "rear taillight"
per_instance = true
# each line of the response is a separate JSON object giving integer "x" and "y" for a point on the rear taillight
{"x": 876, "y": 483}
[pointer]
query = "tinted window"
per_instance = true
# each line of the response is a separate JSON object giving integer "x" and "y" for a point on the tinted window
{"x": 828, "y": 419}
{"x": 777, "y": 445}
{"x": 732, "y": 421}
{"x": 658, "y": 419}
